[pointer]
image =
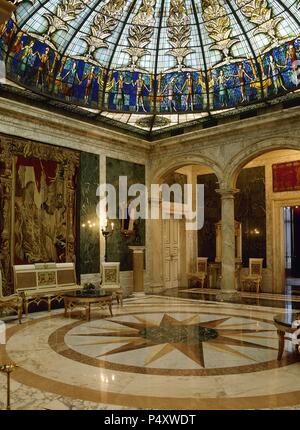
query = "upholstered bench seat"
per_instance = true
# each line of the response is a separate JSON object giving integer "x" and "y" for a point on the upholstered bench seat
{"x": 44, "y": 282}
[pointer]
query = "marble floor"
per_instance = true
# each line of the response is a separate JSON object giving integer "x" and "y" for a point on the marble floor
{"x": 154, "y": 353}
{"x": 290, "y": 299}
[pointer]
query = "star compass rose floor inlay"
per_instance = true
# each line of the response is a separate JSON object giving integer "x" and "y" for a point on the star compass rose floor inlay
{"x": 175, "y": 343}
{"x": 154, "y": 353}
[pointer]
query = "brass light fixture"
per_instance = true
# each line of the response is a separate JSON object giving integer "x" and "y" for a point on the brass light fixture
{"x": 127, "y": 220}
{"x": 6, "y": 10}
{"x": 8, "y": 368}
{"x": 106, "y": 232}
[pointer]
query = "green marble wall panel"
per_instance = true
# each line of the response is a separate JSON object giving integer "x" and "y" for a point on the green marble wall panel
{"x": 89, "y": 236}
{"x": 117, "y": 245}
{"x": 250, "y": 210}
{"x": 212, "y": 215}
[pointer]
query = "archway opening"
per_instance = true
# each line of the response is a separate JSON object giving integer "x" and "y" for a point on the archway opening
{"x": 269, "y": 192}
{"x": 179, "y": 247}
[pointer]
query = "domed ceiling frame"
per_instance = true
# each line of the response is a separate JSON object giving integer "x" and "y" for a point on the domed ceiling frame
{"x": 211, "y": 61}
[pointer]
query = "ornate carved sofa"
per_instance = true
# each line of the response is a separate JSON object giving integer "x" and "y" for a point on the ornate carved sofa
{"x": 44, "y": 282}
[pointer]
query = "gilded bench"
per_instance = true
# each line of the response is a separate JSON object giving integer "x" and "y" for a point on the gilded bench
{"x": 44, "y": 282}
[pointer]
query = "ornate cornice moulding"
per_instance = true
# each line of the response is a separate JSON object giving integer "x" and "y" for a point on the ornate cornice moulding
{"x": 18, "y": 118}
{"x": 273, "y": 121}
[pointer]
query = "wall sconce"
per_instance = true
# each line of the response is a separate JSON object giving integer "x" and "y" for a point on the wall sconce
{"x": 89, "y": 224}
{"x": 126, "y": 233}
{"x": 127, "y": 221}
{"x": 6, "y": 10}
{"x": 255, "y": 232}
{"x": 106, "y": 232}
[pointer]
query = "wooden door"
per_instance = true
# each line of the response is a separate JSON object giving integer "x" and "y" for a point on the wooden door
{"x": 171, "y": 253}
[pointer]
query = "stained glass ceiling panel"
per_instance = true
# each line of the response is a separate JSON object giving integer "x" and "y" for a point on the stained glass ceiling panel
{"x": 162, "y": 57}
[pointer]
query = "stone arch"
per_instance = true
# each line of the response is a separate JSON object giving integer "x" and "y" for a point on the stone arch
{"x": 167, "y": 165}
{"x": 161, "y": 166}
{"x": 245, "y": 155}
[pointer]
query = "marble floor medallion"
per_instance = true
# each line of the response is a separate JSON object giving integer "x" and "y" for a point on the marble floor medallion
{"x": 157, "y": 353}
{"x": 172, "y": 343}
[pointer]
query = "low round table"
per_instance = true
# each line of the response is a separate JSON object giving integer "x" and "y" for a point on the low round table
{"x": 86, "y": 298}
{"x": 283, "y": 323}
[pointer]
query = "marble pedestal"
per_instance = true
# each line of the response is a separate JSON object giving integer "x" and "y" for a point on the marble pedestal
{"x": 138, "y": 267}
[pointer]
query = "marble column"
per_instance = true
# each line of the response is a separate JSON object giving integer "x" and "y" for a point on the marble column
{"x": 102, "y": 180}
{"x": 138, "y": 268}
{"x": 228, "y": 242}
{"x": 154, "y": 245}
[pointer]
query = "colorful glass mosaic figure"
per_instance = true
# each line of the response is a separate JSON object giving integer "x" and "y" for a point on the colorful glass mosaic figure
{"x": 140, "y": 85}
{"x": 120, "y": 92}
{"x": 241, "y": 75}
{"x": 68, "y": 80}
{"x": 43, "y": 68}
{"x": 54, "y": 69}
{"x": 120, "y": 96}
{"x": 292, "y": 63}
{"x": 291, "y": 56}
{"x": 105, "y": 82}
{"x": 170, "y": 91}
{"x": 27, "y": 61}
{"x": 223, "y": 94}
{"x": 189, "y": 92}
{"x": 90, "y": 77}
{"x": 18, "y": 44}
{"x": 211, "y": 84}
{"x": 274, "y": 72}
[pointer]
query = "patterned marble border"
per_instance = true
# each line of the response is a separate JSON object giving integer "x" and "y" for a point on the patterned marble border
{"x": 31, "y": 379}
{"x": 57, "y": 343}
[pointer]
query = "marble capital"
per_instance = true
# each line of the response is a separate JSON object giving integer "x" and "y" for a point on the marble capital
{"x": 227, "y": 193}
{"x": 137, "y": 249}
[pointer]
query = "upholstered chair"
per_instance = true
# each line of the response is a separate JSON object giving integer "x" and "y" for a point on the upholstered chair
{"x": 254, "y": 277}
{"x": 201, "y": 273}
{"x": 110, "y": 273}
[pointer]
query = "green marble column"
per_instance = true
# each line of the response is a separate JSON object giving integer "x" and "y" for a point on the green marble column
{"x": 89, "y": 236}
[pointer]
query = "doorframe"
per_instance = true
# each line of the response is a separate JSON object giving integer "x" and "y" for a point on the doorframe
{"x": 278, "y": 243}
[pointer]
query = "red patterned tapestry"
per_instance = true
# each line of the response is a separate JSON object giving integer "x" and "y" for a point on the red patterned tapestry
{"x": 41, "y": 211}
{"x": 286, "y": 176}
{"x": 37, "y": 204}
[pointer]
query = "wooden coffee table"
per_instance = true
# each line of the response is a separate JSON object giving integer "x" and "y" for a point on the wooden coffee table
{"x": 283, "y": 323}
{"x": 85, "y": 298}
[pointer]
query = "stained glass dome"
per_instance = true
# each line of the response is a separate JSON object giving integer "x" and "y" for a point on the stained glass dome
{"x": 162, "y": 58}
